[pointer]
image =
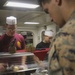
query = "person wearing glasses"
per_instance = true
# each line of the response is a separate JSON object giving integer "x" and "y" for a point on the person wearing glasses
{"x": 8, "y": 37}
{"x": 48, "y": 34}
{"x": 11, "y": 34}
{"x": 62, "y": 50}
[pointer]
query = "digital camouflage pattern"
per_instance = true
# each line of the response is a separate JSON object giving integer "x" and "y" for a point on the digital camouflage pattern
{"x": 62, "y": 52}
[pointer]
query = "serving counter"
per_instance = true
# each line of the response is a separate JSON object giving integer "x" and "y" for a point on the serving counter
{"x": 29, "y": 66}
{"x": 18, "y": 54}
{"x": 8, "y": 59}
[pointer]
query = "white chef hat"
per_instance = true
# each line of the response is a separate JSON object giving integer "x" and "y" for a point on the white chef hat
{"x": 11, "y": 20}
{"x": 48, "y": 33}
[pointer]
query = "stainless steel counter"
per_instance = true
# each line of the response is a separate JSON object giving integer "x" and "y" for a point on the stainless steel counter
{"x": 6, "y": 55}
{"x": 28, "y": 67}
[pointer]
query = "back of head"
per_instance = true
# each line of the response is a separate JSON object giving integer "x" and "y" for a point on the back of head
{"x": 11, "y": 20}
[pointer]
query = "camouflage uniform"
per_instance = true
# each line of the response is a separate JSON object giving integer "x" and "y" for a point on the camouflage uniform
{"x": 62, "y": 52}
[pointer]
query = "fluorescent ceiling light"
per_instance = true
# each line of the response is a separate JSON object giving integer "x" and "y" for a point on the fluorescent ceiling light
{"x": 31, "y": 22}
{"x": 21, "y": 5}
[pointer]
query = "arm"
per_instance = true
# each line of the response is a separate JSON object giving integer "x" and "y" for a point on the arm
{"x": 23, "y": 48}
{"x": 22, "y": 42}
{"x": 37, "y": 60}
{"x": 23, "y": 60}
{"x": 65, "y": 47}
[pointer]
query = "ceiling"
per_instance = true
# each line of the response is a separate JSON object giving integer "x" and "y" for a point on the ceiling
{"x": 24, "y": 14}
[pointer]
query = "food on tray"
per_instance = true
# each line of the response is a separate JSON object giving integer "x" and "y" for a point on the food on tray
{"x": 15, "y": 68}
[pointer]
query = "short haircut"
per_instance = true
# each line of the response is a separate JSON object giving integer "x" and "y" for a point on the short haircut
{"x": 43, "y": 1}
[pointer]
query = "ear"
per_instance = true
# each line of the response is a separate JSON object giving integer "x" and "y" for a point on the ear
{"x": 59, "y": 2}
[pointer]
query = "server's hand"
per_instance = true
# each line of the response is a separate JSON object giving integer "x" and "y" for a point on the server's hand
{"x": 2, "y": 67}
{"x": 41, "y": 64}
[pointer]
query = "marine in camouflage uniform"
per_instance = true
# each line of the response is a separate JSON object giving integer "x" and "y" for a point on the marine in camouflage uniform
{"x": 62, "y": 51}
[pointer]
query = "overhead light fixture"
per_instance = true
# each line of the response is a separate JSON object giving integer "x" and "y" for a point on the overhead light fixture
{"x": 31, "y": 22}
{"x": 20, "y": 5}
